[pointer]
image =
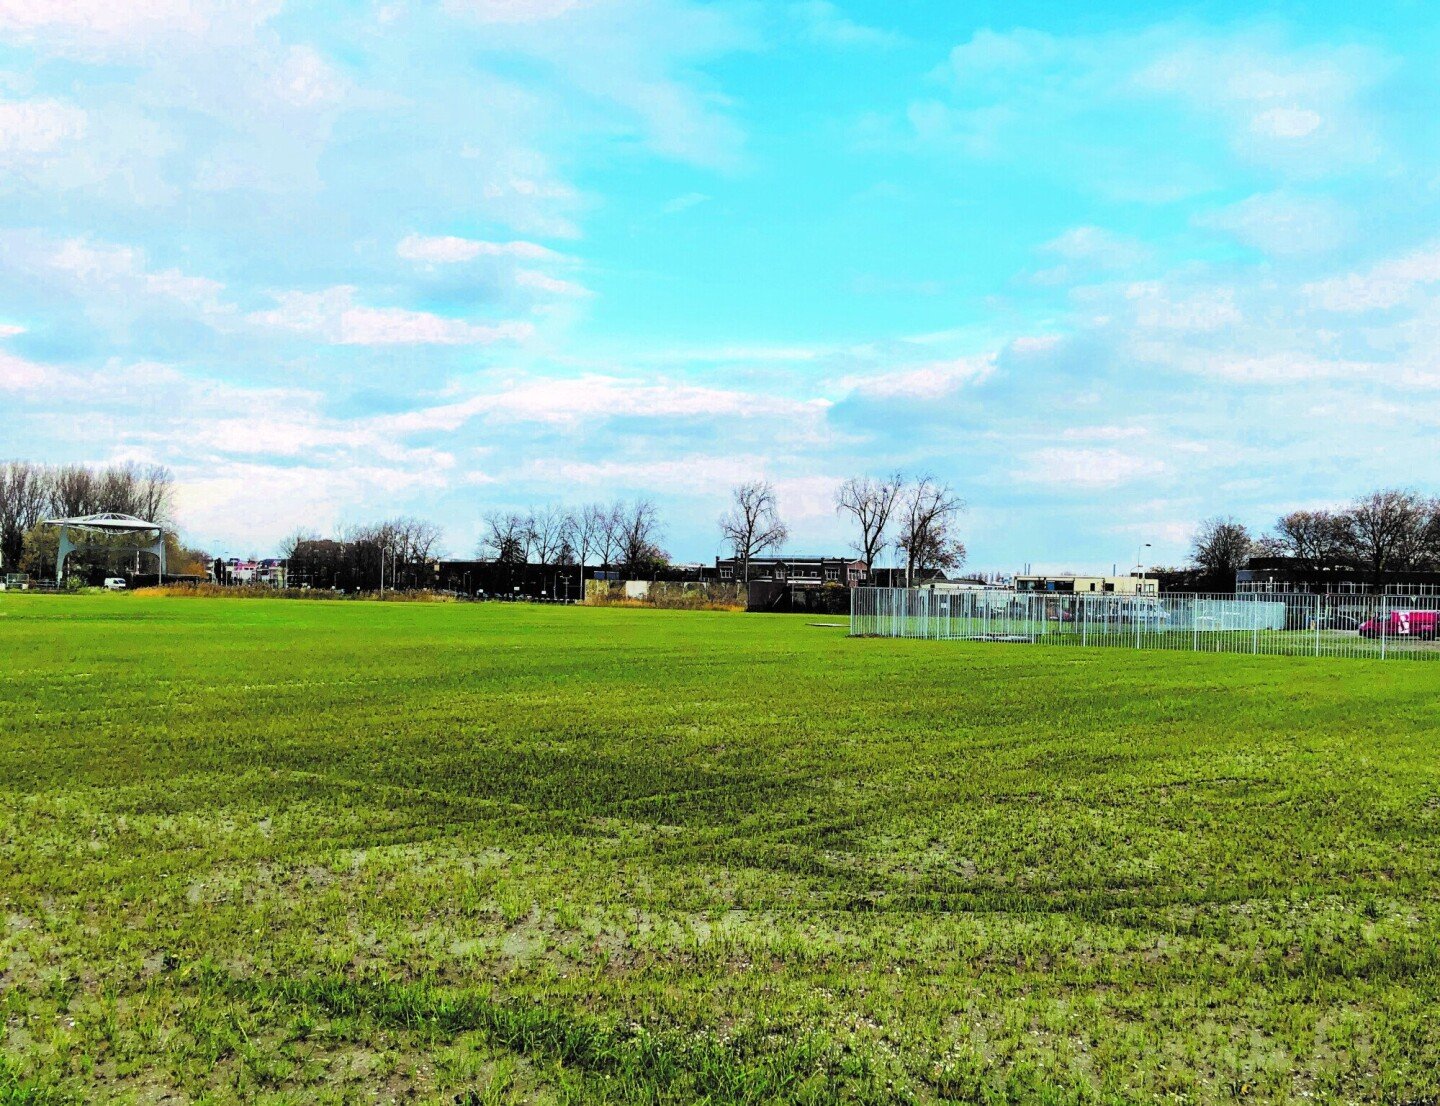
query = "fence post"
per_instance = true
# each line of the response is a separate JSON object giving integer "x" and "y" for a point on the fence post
{"x": 1384, "y": 625}
{"x": 1317, "y": 625}
{"x": 1254, "y": 627}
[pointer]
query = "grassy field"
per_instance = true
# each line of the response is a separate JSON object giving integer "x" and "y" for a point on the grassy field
{"x": 282, "y": 852}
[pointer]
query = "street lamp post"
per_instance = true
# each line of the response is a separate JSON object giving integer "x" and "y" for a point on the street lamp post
{"x": 1140, "y": 562}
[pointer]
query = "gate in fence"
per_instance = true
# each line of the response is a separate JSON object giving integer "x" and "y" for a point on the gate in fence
{"x": 1285, "y": 624}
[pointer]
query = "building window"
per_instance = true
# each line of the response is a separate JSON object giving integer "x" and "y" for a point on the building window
{"x": 726, "y": 572}
{"x": 832, "y": 574}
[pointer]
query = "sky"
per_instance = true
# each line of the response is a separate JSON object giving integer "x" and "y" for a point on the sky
{"x": 1107, "y": 269}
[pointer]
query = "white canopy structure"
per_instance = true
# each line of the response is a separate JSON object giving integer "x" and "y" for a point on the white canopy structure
{"x": 108, "y": 523}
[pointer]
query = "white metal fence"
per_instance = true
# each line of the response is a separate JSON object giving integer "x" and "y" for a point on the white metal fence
{"x": 1285, "y": 624}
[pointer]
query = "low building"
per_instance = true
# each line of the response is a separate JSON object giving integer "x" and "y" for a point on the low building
{"x": 1068, "y": 584}
{"x": 796, "y": 570}
{"x": 267, "y": 573}
{"x": 953, "y": 587}
{"x": 1291, "y": 574}
{"x": 899, "y": 578}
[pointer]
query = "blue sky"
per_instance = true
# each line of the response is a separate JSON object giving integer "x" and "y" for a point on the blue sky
{"x": 1106, "y": 268}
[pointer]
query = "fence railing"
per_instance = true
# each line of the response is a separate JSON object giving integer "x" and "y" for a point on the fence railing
{"x": 1381, "y": 627}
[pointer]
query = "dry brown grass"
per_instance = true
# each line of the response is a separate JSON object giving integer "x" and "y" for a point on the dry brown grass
{"x": 664, "y": 595}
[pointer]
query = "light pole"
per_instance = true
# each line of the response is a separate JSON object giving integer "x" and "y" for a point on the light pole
{"x": 1139, "y": 561}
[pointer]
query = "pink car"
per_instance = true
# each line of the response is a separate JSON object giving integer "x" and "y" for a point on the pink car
{"x": 1414, "y": 624}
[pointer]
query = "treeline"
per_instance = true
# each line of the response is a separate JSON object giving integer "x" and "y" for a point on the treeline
{"x": 621, "y": 535}
{"x": 1387, "y": 531}
{"x": 916, "y": 517}
{"x": 30, "y": 493}
{"x": 396, "y": 553}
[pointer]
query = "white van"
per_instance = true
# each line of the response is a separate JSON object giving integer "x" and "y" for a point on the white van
{"x": 114, "y": 583}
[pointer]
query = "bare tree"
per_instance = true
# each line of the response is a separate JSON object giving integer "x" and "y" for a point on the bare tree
{"x": 73, "y": 491}
{"x": 153, "y": 494}
{"x": 1388, "y": 530}
{"x": 1318, "y": 539}
{"x": 610, "y": 541}
{"x": 24, "y": 497}
{"x": 295, "y": 540}
{"x": 871, "y": 502}
{"x": 927, "y": 515}
{"x": 546, "y": 531}
{"x": 585, "y": 532}
{"x": 1220, "y": 548}
{"x": 752, "y": 525}
{"x": 639, "y": 536}
{"x": 422, "y": 540}
{"x": 505, "y": 538}
{"x": 584, "y": 535}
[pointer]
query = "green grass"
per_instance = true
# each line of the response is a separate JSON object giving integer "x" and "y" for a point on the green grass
{"x": 284, "y": 852}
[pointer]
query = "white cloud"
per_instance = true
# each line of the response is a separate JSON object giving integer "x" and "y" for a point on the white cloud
{"x": 1027, "y": 94}
{"x": 1287, "y": 122}
{"x": 537, "y": 281}
{"x": 20, "y": 375}
{"x": 1282, "y": 224}
{"x": 1035, "y": 343}
{"x": 684, "y": 203}
{"x": 642, "y": 57}
{"x": 99, "y": 29}
{"x": 1297, "y": 108}
{"x": 1084, "y": 250}
{"x": 931, "y": 380}
{"x": 448, "y": 249}
{"x": 124, "y": 268}
{"x": 1207, "y": 309}
{"x": 1109, "y": 433}
{"x": 304, "y": 79}
{"x": 823, "y": 23}
{"x": 112, "y": 286}
{"x": 1087, "y": 468}
{"x": 1289, "y": 367}
{"x": 1097, "y": 244}
{"x": 597, "y": 396}
{"x": 512, "y": 11}
{"x": 30, "y": 128}
{"x": 101, "y": 17}
{"x": 264, "y": 502}
{"x": 334, "y": 316}
{"x": 1383, "y": 286}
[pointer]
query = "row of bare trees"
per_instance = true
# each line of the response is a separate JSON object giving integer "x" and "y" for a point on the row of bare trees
{"x": 396, "y": 553}
{"x": 30, "y": 493}
{"x": 1390, "y": 530}
{"x": 621, "y": 534}
{"x": 917, "y": 516}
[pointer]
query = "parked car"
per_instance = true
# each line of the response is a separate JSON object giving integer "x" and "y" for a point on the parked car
{"x": 114, "y": 583}
{"x": 1412, "y": 624}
